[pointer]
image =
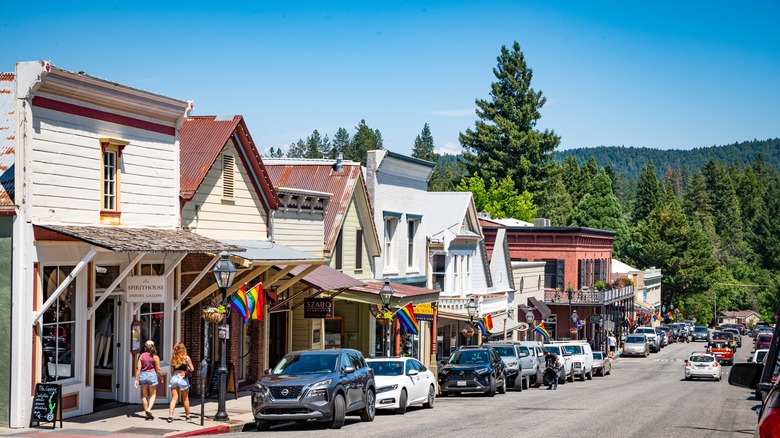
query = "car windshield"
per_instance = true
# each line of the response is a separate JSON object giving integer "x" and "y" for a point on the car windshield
{"x": 764, "y": 338}
{"x": 645, "y": 330}
{"x": 505, "y": 351}
{"x": 700, "y": 329}
{"x": 311, "y": 363}
{"x": 728, "y": 335}
{"x": 387, "y": 368}
{"x": 701, "y": 359}
{"x": 597, "y": 355}
{"x": 635, "y": 340}
{"x": 760, "y": 355}
{"x": 665, "y": 329}
{"x": 554, "y": 350}
{"x": 573, "y": 349}
{"x": 466, "y": 357}
{"x": 718, "y": 345}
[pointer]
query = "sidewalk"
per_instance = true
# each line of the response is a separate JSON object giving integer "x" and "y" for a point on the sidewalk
{"x": 128, "y": 420}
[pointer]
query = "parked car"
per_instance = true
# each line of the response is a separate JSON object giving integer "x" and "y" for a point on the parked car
{"x": 652, "y": 338}
{"x": 473, "y": 370}
{"x": 700, "y": 333}
{"x": 661, "y": 337}
{"x": 402, "y": 382}
{"x": 532, "y": 361}
{"x": 510, "y": 354}
{"x": 566, "y": 373}
{"x": 322, "y": 385}
{"x": 636, "y": 345}
{"x": 737, "y": 335}
{"x": 758, "y": 356}
{"x": 721, "y": 350}
{"x": 668, "y": 333}
{"x": 602, "y": 365}
{"x": 763, "y": 341}
{"x": 702, "y": 365}
{"x": 581, "y": 358}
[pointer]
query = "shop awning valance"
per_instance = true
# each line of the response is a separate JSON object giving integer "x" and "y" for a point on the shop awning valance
{"x": 271, "y": 253}
{"x": 402, "y": 294}
{"x": 510, "y": 323}
{"x": 326, "y": 278}
{"x": 643, "y": 308}
{"x": 134, "y": 240}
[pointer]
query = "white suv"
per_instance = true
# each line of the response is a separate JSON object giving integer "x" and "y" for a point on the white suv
{"x": 582, "y": 358}
{"x": 652, "y": 338}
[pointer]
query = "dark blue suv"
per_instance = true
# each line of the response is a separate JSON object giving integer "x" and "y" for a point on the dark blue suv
{"x": 473, "y": 369}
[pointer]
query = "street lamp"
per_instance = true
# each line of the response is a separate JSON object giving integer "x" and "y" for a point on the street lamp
{"x": 386, "y": 294}
{"x": 471, "y": 308}
{"x": 574, "y": 320}
{"x": 529, "y": 318}
{"x": 224, "y": 274}
{"x": 570, "y": 292}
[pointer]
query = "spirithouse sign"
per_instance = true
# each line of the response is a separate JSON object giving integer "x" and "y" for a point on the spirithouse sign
{"x": 145, "y": 289}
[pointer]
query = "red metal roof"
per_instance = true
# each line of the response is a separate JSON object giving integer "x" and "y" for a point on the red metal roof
{"x": 325, "y": 278}
{"x": 321, "y": 177}
{"x": 202, "y": 139}
{"x": 400, "y": 291}
{"x": 7, "y": 139}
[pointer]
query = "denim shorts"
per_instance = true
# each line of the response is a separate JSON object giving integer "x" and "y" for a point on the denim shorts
{"x": 177, "y": 381}
{"x": 147, "y": 378}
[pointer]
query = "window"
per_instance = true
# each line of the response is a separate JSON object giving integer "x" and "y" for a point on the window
{"x": 110, "y": 177}
{"x": 152, "y": 317}
{"x": 59, "y": 325}
{"x": 461, "y": 273}
{"x": 390, "y": 225}
{"x": 338, "y": 252}
{"x": 439, "y": 272}
{"x": 412, "y": 232}
{"x": 228, "y": 176}
{"x": 359, "y": 250}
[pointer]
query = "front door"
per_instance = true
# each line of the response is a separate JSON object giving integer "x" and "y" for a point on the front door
{"x": 277, "y": 337}
{"x": 105, "y": 341}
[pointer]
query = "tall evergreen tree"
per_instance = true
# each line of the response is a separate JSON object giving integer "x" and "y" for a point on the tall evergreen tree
{"x": 698, "y": 206}
{"x": 423, "y": 146}
{"x": 364, "y": 140}
{"x": 316, "y": 146}
{"x": 765, "y": 236}
{"x": 600, "y": 209}
{"x": 505, "y": 141}
{"x": 726, "y": 214}
{"x": 297, "y": 149}
{"x": 646, "y": 193}
{"x": 571, "y": 179}
{"x": 559, "y": 207}
{"x": 340, "y": 142}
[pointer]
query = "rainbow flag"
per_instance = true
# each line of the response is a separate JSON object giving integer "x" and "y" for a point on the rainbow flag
{"x": 407, "y": 319}
{"x": 671, "y": 315}
{"x": 540, "y": 329}
{"x": 257, "y": 301}
{"x": 488, "y": 321}
{"x": 240, "y": 302}
{"x": 481, "y": 326}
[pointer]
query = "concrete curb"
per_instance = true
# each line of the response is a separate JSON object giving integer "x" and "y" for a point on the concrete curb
{"x": 213, "y": 430}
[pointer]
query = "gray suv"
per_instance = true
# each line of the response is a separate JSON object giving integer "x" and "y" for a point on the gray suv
{"x": 321, "y": 385}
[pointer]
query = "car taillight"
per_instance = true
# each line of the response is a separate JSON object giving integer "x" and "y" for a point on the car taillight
{"x": 715, "y": 364}
{"x": 770, "y": 426}
{"x": 687, "y": 365}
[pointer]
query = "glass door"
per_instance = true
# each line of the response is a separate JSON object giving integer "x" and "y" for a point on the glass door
{"x": 104, "y": 346}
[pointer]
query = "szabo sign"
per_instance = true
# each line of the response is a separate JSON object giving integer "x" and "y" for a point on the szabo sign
{"x": 145, "y": 289}
{"x": 318, "y": 307}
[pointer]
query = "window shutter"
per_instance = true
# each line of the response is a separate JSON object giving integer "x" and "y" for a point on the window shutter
{"x": 582, "y": 274}
{"x": 560, "y": 274}
{"x": 228, "y": 176}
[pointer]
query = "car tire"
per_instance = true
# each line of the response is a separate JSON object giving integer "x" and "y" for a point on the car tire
{"x": 571, "y": 377}
{"x": 688, "y": 378}
{"x": 368, "y": 412}
{"x": 502, "y": 388}
{"x": 589, "y": 376}
{"x": 520, "y": 384}
{"x": 339, "y": 412}
{"x": 402, "y": 400}
{"x": 562, "y": 378}
{"x": 582, "y": 376}
{"x": 431, "y": 398}
{"x": 263, "y": 426}
{"x": 492, "y": 390}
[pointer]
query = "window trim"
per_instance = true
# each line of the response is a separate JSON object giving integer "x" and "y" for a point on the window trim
{"x": 358, "y": 250}
{"x": 391, "y": 223}
{"x": 411, "y": 235}
{"x": 338, "y": 252}
{"x": 115, "y": 147}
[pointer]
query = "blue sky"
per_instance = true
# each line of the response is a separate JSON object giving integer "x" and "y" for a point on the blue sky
{"x": 656, "y": 74}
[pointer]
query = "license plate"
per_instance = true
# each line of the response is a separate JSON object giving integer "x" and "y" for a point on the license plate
{"x": 461, "y": 383}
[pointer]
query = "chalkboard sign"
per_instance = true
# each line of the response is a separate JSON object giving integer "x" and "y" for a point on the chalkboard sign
{"x": 47, "y": 405}
{"x": 213, "y": 389}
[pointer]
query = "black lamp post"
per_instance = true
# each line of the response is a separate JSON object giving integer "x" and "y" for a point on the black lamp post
{"x": 224, "y": 273}
{"x": 471, "y": 308}
{"x": 570, "y": 292}
{"x": 574, "y": 319}
{"x": 386, "y": 294}
{"x": 529, "y": 318}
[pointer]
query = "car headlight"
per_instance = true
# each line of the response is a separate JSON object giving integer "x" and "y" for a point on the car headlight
{"x": 444, "y": 371}
{"x": 511, "y": 364}
{"x": 382, "y": 389}
{"x": 319, "y": 389}
{"x": 260, "y": 390}
{"x": 482, "y": 370}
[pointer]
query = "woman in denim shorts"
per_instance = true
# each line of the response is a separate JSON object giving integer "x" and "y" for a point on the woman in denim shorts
{"x": 181, "y": 364}
{"x": 146, "y": 371}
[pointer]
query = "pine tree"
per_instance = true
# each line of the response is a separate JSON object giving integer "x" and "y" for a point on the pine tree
{"x": 340, "y": 142}
{"x": 646, "y": 193}
{"x": 504, "y": 141}
{"x": 559, "y": 207}
{"x": 765, "y": 236}
{"x": 316, "y": 146}
{"x": 297, "y": 149}
{"x": 600, "y": 209}
{"x": 423, "y": 146}
{"x": 570, "y": 173}
{"x": 364, "y": 140}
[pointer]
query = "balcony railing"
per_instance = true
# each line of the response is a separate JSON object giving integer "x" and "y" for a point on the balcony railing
{"x": 487, "y": 304}
{"x": 599, "y": 297}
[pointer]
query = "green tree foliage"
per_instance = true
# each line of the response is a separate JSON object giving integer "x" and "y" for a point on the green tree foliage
{"x": 274, "y": 153}
{"x": 570, "y": 173}
{"x": 765, "y": 237}
{"x": 726, "y": 213}
{"x": 313, "y": 147}
{"x": 340, "y": 142}
{"x": 646, "y": 193}
{"x": 559, "y": 206}
{"x": 505, "y": 141}
{"x": 423, "y": 146}
{"x": 600, "y": 209}
{"x": 364, "y": 140}
{"x": 447, "y": 175}
{"x": 499, "y": 199}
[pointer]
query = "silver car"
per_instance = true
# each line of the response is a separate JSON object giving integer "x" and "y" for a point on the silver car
{"x": 602, "y": 365}
{"x": 636, "y": 345}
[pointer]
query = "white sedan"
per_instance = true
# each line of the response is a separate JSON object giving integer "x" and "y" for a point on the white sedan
{"x": 402, "y": 382}
{"x": 702, "y": 365}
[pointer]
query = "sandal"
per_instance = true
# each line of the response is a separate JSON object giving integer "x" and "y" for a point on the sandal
{"x": 170, "y": 419}
{"x": 187, "y": 418}
{"x": 149, "y": 415}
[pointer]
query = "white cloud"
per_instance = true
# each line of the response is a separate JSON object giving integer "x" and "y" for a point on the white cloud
{"x": 449, "y": 148}
{"x": 454, "y": 112}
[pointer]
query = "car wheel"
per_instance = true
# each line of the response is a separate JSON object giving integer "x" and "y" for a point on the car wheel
{"x": 368, "y": 413}
{"x": 339, "y": 412}
{"x": 492, "y": 391}
{"x": 402, "y": 403}
{"x": 431, "y": 398}
{"x": 502, "y": 388}
{"x": 520, "y": 384}
{"x": 562, "y": 378}
{"x": 263, "y": 426}
{"x": 590, "y": 375}
{"x": 688, "y": 378}
{"x": 582, "y": 377}
{"x": 571, "y": 377}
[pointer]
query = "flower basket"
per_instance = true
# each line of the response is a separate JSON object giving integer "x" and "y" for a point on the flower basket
{"x": 468, "y": 331}
{"x": 383, "y": 321}
{"x": 213, "y": 315}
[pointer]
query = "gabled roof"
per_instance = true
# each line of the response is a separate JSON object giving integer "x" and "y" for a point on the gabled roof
{"x": 619, "y": 267}
{"x": 319, "y": 175}
{"x": 203, "y": 138}
{"x": 7, "y": 139}
{"x": 449, "y": 211}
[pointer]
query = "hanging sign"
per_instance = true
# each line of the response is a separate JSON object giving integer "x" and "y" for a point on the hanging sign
{"x": 424, "y": 312}
{"x": 145, "y": 289}
{"x": 318, "y": 307}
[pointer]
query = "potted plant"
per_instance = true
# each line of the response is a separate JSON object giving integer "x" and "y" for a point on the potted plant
{"x": 468, "y": 331}
{"x": 384, "y": 317}
{"x": 600, "y": 285}
{"x": 214, "y": 313}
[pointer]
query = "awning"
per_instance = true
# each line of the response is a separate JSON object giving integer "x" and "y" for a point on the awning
{"x": 453, "y": 315}
{"x": 402, "y": 294}
{"x": 540, "y": 309}
{"x": 271, "y": 253}
{"x": 326, "y": 278}
{"x": 643, "y": 308}
{"x": 147, "y": 240}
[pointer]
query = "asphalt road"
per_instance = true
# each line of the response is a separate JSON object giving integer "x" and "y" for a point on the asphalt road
{"x": 642, "y": 397}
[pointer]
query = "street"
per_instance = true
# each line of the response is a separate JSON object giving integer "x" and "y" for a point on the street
{"x": 643, "y": 396}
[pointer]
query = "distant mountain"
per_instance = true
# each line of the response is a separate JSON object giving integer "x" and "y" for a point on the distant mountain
{"x": 629, "y": 160}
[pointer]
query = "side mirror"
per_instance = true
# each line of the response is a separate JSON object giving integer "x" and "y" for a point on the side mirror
{"x": 348, "y": 370}
{"x": 746, "y": 375}
{"x": 267, "y": 371}
{"x": 412, "y": 373}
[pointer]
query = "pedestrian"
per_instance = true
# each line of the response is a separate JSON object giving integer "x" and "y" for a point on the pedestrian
{"x": 181, "y": 366}
{"x": 612, "y": 342}
{"x": 554, "y": 364}
{"x": 147, "y": 371}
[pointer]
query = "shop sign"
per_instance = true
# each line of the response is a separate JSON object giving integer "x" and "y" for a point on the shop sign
{"x": 318, "y": 307}
{"x": 145, "y": 289}
{"x": 424, "y": 312}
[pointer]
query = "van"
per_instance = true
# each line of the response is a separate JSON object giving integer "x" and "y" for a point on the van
{"x": 582, "y": 358}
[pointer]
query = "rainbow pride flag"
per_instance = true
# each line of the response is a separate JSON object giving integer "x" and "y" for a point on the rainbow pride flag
{"x": 240, "y": 302}
{"x": 407, "y": 319}
{"x": 256, "y": 298}
{"x": 488, "y": 321}
{"x": 540, "y": 329}
{"x": 481, "y": 326}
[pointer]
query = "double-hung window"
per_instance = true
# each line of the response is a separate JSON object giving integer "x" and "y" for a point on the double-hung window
{"x": 110, "y": 175}
{"x": 390, "y": 226}
{"x": 59, "y": 325}
{"x": 411, "y": 233}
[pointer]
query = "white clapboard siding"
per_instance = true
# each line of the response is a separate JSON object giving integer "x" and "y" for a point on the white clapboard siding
{"x": 349, "y": 244}
{"x": 301, "y": 328}
{"x": 240, "y": 218}
{"x": 301, "y": 234}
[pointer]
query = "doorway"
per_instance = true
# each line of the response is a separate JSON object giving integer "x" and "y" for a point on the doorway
{"x": 277, "y": 337}
{"x": 105, "y": 343}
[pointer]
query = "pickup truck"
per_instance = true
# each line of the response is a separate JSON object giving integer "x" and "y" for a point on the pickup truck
{"x": 652, "y": 338}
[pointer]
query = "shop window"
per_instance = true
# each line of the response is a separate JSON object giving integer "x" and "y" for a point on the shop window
{"x": 411, "y": 233}
{"x": 59, "y": 324}
{"x": 152, "y": 269}
{"x": 152, "y": 317}
{"x": 105, "y": 275}
{"x": 439, "y": 271}
{"x": 358, "y": 251}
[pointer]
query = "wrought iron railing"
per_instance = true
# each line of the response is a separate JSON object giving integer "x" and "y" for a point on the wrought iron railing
{"x": 606, "y": 296}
